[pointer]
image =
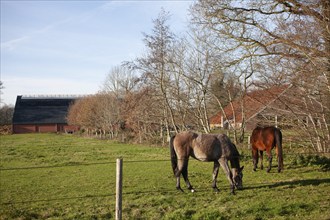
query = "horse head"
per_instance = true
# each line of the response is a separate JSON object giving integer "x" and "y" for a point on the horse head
{"x": 238, "y": 177}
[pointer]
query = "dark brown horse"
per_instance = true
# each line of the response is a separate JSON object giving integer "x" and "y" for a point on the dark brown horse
{"x": 265, "y": 139}
{"x": 209, "y": 148}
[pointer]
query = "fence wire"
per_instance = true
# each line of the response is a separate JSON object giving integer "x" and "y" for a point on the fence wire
{"x": 147, "y": 191}
{"x": 167, "y": 191}
{"x": 73, "y": 164}
{"x": 58, "y": 199}
{"x": 57, "y": 166}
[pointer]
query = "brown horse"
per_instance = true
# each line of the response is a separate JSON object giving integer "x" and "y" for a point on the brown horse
{"x": 265, "y": 139}
{"x": 209, "y": 148}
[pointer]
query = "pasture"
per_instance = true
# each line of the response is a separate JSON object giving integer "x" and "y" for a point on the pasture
{"x": 49, "y": 176}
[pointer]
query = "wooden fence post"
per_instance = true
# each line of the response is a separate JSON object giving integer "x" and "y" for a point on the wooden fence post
{"x": 119, "y": 188}
{"x": 249, "y": 146}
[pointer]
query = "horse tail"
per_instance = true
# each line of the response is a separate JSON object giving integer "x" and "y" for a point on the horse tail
{"x": 278, "y": 140}
{"x": 174, "y": 158}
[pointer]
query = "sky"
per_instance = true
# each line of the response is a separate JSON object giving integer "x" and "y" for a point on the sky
{"x": 69, "y": 47}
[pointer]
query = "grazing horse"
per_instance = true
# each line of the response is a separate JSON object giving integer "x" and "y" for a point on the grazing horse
{"x": 265, "y": 139}
{"x": 209, "y": 148}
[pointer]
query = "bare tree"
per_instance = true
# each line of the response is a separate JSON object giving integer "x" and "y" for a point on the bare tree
{"x": 198, "y": 68}
{"x": 141, "y": 113}
{"x": 290, "y": 36}
{"x": 83, "y": 113}
{"x": 156, "y": 67}
{"x": 120, "y": 81}
{"x": 6, "y": 114}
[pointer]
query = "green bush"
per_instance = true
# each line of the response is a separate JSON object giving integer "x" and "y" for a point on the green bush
{"x": 311, "y": 160}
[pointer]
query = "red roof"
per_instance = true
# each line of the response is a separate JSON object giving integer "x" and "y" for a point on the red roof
{"x": 254, "y": 102}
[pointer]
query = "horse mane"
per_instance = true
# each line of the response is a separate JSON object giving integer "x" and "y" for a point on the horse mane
{"x": 232, "y": 148}
{"x": 235, "y": 151}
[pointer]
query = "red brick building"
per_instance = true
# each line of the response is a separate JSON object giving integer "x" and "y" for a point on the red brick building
{"x": 42, "y": 114}
{"x": 261, "y": 107}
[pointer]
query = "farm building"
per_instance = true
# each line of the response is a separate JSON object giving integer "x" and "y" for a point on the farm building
{"x": 261, "y": 107}
{"x": 42, "y": 114}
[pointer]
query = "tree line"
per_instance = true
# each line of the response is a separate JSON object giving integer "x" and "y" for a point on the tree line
{"x": 231, "y": 48}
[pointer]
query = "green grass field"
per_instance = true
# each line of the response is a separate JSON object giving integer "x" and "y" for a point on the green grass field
{"x": 49, "y": 176}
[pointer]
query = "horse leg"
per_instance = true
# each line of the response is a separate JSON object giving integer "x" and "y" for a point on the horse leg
{"x": 270, "y": 158}
{"x": 178, "y": 187}
{"x": 224, "y": 165}
{"x": 178, "y": 174}
{"x": 255, "y": 158}
{"x": 185, "y": 174}
{"x": 261, "y": 159}
{"x": 279, "y": 166}
{"x": 215, "y": 175}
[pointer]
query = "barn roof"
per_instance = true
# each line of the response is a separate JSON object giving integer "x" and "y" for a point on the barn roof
{"x": 255, "y": 101}
{"x": 42, "y": 110}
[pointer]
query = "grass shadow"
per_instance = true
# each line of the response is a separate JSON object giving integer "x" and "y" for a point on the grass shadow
{"x": 306, "y": 182}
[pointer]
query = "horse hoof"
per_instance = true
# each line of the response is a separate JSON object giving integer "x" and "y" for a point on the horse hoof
{"x": 254, "y": 169}
{"x": 179, "y": 189}
{"x": 192, "y": 190}
{"x": 216, "y": 190}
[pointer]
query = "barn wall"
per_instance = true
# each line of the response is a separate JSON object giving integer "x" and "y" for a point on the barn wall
{"x": 22, "y": 129}
{"x": 44, "y": 128}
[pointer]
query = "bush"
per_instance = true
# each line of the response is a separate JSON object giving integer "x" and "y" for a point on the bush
{"x": 312, "y": 160}
{"x": 6, "y": 114}
{"x": 5, "y": 129}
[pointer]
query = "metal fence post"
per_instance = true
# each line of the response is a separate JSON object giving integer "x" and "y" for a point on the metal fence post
{"x": 119, "y": 188}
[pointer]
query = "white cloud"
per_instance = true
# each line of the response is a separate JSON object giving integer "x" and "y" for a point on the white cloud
{"x": 12, "y": 44}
